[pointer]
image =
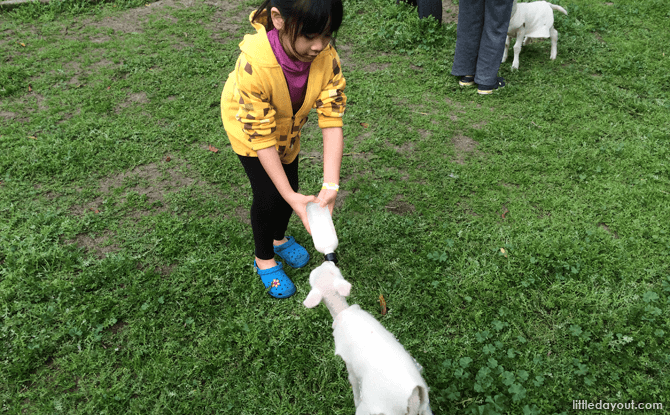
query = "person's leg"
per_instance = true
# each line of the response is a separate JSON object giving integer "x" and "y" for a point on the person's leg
{"x": 497, "y": 14}
{"x": 468, "y": 36}
{"x": 294, "y": 254}
{"x": 430, "y": 8}
{"x": 269, "y": 211}
{"x": 284, "y": 210}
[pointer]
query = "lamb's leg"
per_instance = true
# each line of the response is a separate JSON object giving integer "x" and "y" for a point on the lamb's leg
{"x": 355, "y": 385}
{"x": 520, "y": 35}
{"x": 425, "y": 405}
{"x": 554, "y": 40}
{"x": 504, "y": 58}
{"x": 414, "y": 402}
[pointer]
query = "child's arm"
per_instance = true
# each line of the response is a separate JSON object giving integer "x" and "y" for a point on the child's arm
{"x": 330, "y": 107}
{"x": 333, "y": 145}
{"x": 270, "y": 161}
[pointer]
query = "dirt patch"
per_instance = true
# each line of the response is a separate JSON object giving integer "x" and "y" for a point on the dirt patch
{"x": 467, "y": 209}
{"x": 149, "y": 181}
{"x": 68, "y": 115}
{"x": 7, "y": 115}
{"x": 387, "y": 173}
{"x": 608, "y": 230}
{"x": 97, "y": 244}
{"x": 41, "y": 106}
{"x": 225, "y": 21}
{"x": 156, "y": 181}
{"x": 375, "y": 67}
{"x": 480, "y": 125}
{"x": 456, "y": 105}
{"x": 242, "y": 214}
{"x": 399, "y": 206}
{"x": 463, "y": 146}
{"x": 74, "y": 80}
{"x": 541, "y": 213}
{"x": 33, "y": 102}
{"x": 314, "y": 157}
{"x": 134, "y": 98}
{"x": 405, "y": 148}
{"x": 100, "y": 64}
{"x": 132, "y": 20}
{"x": 341, "y": 197}
{"x": 118, "y": 327}
{"x": 364, "y": 155}
{"x": 345, "y": 53}
{"x": 599, "y": 37}
{"x": 101, "y": 39}
{"x": 366, "y": 62}
{"x": 449, "y": 12}
{"x": 164, "y": 270}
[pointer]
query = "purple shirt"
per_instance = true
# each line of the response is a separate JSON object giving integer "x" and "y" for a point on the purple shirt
{"x": 295, "y": 72}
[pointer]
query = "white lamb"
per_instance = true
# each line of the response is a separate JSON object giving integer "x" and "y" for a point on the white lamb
{"x": 385, "y": 379}
{"x": 531, "y": 20}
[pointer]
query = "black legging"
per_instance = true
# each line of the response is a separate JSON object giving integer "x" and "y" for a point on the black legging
{"x": 269, "y": 211}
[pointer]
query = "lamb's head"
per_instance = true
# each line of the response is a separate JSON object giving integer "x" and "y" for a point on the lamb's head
{"x": 326, "y": 280}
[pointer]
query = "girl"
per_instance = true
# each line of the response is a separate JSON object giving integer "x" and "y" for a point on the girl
{"x": 284, "y": 70}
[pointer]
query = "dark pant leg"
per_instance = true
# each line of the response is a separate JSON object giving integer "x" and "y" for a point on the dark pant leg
{"x": 270, "y": 213}
{"x": 291, "y": 171}
{"x": 497, "y": 14}
{"x": 468, "y": 37}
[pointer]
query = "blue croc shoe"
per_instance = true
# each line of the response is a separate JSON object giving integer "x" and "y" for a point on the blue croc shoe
{"x": 278, "y": 284}
{"x": 290, "y": 251}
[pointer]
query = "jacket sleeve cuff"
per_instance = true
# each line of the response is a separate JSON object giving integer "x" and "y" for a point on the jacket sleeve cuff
{"x": 329, "y": 122}
{"x": 256, "y": 145}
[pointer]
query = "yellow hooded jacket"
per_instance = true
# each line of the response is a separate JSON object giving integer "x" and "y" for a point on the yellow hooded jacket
{"x": 256, "y": 105}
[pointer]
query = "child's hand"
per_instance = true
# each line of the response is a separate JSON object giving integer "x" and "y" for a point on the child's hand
{"x": 327, "y": 197}
{"x": 298, "y": 203}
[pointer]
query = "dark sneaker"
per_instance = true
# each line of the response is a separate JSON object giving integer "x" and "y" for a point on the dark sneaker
{"x": 466, "y": 80}
{"x": 488, "y": 89}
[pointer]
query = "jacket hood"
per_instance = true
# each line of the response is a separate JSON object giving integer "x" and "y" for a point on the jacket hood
{"x": 256, "y": 46}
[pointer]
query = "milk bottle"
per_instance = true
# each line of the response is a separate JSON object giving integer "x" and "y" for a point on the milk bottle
{"x": 323, "y": 230}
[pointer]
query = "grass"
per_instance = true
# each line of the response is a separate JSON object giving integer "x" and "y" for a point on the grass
{"x": 521, "y": 240}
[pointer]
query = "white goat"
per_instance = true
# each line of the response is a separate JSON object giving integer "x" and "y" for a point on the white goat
{"x": 385, "y": 379}
{"x": 529, "y": 20}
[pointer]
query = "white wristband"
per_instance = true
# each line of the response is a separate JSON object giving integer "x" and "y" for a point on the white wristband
{"x": 330, "y": 186}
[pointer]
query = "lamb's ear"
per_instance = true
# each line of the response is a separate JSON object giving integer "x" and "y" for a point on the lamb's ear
{"x": 342, "y": 286}
{"x": 313, "y": 298}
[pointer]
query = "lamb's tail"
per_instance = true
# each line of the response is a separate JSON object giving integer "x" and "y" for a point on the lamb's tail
{"x": 558, "y": 8}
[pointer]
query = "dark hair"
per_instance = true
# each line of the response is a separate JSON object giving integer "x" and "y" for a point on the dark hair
{"x": 304, "y": 17}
